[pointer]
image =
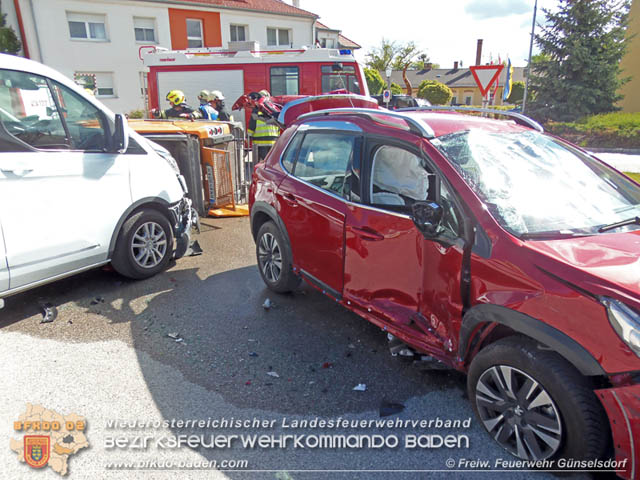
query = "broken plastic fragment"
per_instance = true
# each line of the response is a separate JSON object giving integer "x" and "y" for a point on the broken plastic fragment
{"x": 273, "y": 374}
{"x": 194, "y": 250}
{"x": 327, "y": 365}
{"x": 361, "y": 387}
{"x": 49, "y": 312}
{"x": 267, "y": 304}
{"x": 390, "y": 408}
{"x": 253, "y": 354}
{"x": 174, "y": 335}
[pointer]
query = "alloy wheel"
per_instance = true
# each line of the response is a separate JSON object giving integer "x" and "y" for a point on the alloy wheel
{"x": 270, "y": 257}
{"x": 519, "y": 413}
{"x": 149, "y": 245}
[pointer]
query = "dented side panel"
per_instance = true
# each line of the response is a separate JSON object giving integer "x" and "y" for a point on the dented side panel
{"x": 621, "y": 405}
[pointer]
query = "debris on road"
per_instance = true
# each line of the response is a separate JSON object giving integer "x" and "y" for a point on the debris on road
{"x": 327, "y": 365}
{"x": 273, "y": 374}
{"x": 194, "y": 250}
{"x": 253, "y": 354}
{"x": 49, "y": 312}
{"x": 175, "y": 336}
{"x": 361, "y": 387}
{"x": 267, "y": 304}
{"x": 390, "y": 408}
{"x": 351, "y": 346}
{"x": 97, "y": 300}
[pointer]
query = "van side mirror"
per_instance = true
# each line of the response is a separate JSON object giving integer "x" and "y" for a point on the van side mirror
{"x": 120, "y": 136}
{"x": 427, "y": 217}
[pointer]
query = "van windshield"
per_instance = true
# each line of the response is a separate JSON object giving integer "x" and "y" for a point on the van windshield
{"x": 536, "y": 186}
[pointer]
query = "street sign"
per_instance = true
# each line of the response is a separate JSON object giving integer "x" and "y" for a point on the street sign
{"x": 486, "y": 76}
{"x": 386, "y": 96}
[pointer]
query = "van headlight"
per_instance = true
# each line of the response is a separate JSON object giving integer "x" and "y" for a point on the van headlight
{"x": 625, "y": 321}
{"x": 169, "y": 159}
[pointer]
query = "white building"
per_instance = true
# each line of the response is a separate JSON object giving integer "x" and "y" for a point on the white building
{"x": 98, "y": 41}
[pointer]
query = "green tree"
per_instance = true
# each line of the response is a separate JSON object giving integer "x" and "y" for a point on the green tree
{"x": 578, "y": 71}
{"x": 437, "y": 93}
{"x": 398, "y": 55}
{"x": 9, "y": 42}
{"x": 517, "y": 93}
{"x": 374, "y": 80}
{"x": 395, "y": 89}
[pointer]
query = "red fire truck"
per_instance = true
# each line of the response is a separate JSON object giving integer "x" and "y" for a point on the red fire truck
{"x": 306, "y": 71}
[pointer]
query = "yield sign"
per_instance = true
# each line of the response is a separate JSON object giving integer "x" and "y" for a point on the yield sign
{"x": 486, "y": 75}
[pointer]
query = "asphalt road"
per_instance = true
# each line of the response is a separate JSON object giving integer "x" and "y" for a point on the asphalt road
{"x": 108, "y": 355}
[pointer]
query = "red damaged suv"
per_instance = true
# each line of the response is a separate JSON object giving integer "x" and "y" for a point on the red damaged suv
{"x": 488, "y": 245}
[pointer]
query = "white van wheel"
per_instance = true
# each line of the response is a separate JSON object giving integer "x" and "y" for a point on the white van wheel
{"x": 144, "y": 246}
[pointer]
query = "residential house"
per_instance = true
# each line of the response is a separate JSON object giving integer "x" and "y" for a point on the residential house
{"x": 330, "y": 38}
{"x": 631, "y": 62}
{"x": 460, "y": 80}
{"x": 98, "y": 41}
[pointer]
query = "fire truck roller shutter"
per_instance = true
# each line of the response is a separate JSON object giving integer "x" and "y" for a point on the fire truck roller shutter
{"x": 229, "y": 82}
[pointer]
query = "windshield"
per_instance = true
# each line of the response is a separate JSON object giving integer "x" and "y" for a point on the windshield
{"x": 534, "y": 185}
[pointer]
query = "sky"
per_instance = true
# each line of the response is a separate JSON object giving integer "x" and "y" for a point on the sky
{"x": 447, "y": 29}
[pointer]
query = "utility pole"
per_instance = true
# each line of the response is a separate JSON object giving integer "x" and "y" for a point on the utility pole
{"x": 526, "y": 83}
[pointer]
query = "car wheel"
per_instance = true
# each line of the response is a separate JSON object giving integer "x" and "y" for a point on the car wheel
{"x": 274, "y": 259}
{"x": 144, "y": 246}
{"x": 535, "y": 404}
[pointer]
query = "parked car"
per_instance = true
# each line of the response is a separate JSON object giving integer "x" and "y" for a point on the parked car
{"x": 401, "y": 101}
{"x": 78, "y": 188}
{"x": 486, "y": 245}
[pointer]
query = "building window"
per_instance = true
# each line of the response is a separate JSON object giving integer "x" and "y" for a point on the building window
{"x": 328, "y": 43}
{"x": 468, "y": 100}
{"x": 238, "y": 33}
{"x": 278, "y": 37}
{"x": 145, "y": 29}
{"x": 87, "y": 26}
{"x": 284, "y": 81}
{"x": 195, "y": 38}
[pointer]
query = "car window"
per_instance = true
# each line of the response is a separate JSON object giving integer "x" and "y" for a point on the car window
{"x": 84, "y": 121}
{"x": 404, "y": 102}
{"x": 28, "y": 111}
{"x": 399, "y": 178}
{"x": 44, "y": 119}
{"x": 289, "y": 157}
{"x": 323, "y": 160}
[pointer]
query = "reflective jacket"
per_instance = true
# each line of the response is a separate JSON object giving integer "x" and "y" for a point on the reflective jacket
{"x": 263, "y": 133}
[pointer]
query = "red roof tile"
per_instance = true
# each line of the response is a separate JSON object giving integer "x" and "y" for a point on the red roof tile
{"x": 270, "y": 6}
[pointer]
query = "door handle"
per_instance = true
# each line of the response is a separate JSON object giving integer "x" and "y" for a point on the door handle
{"x": 290, "y": 199}
{"x": 367, "y": 233}
{"x": 17, "y": 171}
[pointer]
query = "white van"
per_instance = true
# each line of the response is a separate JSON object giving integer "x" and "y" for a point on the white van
{"x": 78, "y": 188}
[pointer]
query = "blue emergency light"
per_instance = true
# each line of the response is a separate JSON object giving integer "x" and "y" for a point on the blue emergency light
{"x": 345, "y": 52}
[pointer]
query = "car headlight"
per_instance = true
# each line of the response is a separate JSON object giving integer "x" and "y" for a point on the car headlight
{"x": 164, "y": 153}
{"x": 625, "y": 321}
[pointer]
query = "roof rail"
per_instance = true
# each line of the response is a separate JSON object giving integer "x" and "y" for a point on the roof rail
{"x": 518, "y": 117}
{"x": 416, "y": 126}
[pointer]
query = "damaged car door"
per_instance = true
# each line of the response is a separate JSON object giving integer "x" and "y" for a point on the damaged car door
{"x": 393, "y": 271}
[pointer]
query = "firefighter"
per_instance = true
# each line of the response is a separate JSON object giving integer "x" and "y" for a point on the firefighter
{"x": 262, "y": 130}
{"x": 216, "y": 100}
{"x": 207, "y": 110}
{"x": 179, "y": 107}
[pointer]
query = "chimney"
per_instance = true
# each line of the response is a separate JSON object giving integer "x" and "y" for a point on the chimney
{"x": 455, "y": 65}
{"x": 479, "y": 52}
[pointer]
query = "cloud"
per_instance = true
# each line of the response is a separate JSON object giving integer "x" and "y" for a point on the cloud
{"x": 483, "y": 9}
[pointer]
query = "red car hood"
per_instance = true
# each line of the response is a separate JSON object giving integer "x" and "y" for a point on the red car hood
{"x": 606, "y": 264}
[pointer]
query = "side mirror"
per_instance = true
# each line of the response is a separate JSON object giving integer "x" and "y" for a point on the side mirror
{"x": 427, "y": 217}
{"x": 120, "y": 136}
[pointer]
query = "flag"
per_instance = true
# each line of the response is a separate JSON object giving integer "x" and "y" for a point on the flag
{"x": 508, "y": 82}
